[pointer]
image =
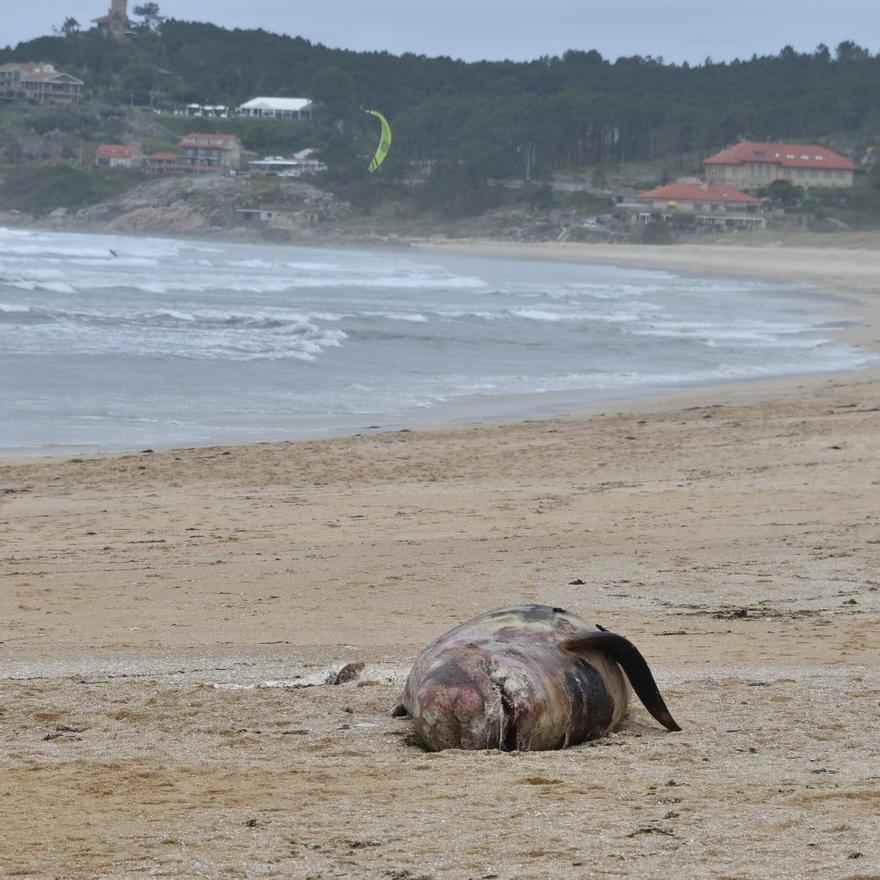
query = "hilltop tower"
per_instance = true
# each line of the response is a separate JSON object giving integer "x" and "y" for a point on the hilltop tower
{"x": 118, "y": 18}
{"x": 115, "y": 23}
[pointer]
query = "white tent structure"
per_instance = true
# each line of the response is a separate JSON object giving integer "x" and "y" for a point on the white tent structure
{"x": 277, "y": 108}
{"x": 303, "y": 162}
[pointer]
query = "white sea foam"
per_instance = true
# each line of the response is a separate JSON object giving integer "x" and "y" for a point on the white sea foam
{"x": 412, "y": 317}
{"x": 49, "y": 248}
{"x": 49, "y": 286}
{"x": 538, "y": 315}
{"x": 238, "y": 284}
{"x": 206, "y": 334}
{"x": 179, "y": 340}
{"x": 313, "y": 266}
{"x": 252, "y": 264}
{"x": 755, "y": 333}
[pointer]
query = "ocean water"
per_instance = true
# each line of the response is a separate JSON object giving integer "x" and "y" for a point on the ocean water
{"x": 111, "y": 342}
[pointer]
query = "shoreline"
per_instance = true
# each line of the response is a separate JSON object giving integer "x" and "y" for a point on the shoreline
{"x": 850, "y": 288}
{"x": 538, "y": 407}
{"x": 854, "y": 273}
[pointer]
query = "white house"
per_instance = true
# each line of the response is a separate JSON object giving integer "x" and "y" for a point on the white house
{"x": 40, "y": 82}
{"x": 277, "y": 108}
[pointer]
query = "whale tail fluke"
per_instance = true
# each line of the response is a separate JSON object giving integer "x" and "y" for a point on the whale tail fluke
{"x": 631, "y": 661}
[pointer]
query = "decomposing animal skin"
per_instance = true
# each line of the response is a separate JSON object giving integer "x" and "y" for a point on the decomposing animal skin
{"x": 529, "y": 677}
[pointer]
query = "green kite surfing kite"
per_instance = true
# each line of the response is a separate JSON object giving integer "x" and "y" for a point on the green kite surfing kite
{"x": 384, "y": 142}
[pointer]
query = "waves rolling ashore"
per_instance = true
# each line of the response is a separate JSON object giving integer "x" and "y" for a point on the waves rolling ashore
{"x": 117, "y": 343}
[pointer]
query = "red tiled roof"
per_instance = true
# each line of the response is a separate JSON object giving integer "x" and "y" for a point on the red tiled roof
{"x": 787, "y": 155}
{"x": 698, "y": 192}
{"x": 118, "y": 151}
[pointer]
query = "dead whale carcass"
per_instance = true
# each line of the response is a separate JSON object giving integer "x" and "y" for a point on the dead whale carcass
{"x": 529, "y": 677}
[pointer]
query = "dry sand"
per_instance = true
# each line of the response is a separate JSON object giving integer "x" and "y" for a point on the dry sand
{"x": 157, "y": 609}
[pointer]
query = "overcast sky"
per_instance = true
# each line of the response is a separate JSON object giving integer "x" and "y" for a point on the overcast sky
{"x": 678, "y": 30}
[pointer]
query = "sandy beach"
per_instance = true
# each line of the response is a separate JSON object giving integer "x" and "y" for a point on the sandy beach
{"x": 162, "y": 612}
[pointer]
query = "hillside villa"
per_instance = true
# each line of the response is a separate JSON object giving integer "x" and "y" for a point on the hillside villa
{"x": 708, "y": 205}
{"x": 204, "y": 151}
{"x": 40, "y": 82}
{"x": 201, "y": 152}
{"x": 119, "y": 156}
{"x": 750, "y": 165}
{"x": 277, "y": 108}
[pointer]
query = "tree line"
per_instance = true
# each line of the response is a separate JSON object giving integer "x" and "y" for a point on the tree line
{"x": 493, "y": 119}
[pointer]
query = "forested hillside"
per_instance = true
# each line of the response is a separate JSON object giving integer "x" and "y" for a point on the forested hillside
{"x": 494, "y": 119}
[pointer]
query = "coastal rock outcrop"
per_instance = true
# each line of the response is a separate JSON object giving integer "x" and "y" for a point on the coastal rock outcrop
{"x": 210, "y": 204}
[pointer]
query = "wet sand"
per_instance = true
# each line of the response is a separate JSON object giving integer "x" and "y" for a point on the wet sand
{"x": 158, "y": 609}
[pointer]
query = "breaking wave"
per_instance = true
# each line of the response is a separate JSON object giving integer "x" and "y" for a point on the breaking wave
{"x": 144, "y": 339}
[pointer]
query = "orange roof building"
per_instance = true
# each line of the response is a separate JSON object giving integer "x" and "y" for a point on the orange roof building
{"x": 751, "y": 165}
{"x": 708, "y": 205}
{"x": 694, "y": 191}
{"x": 119, "y": 156}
